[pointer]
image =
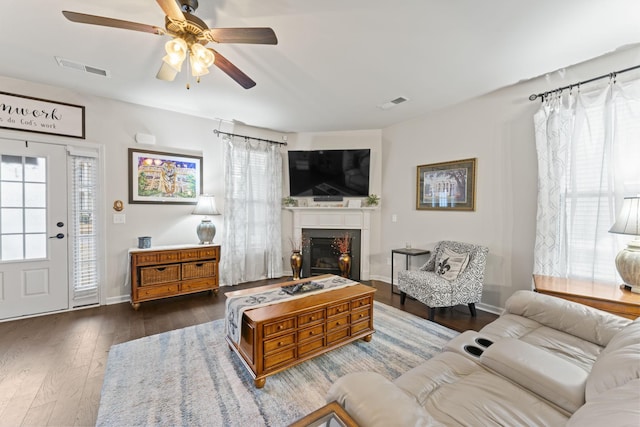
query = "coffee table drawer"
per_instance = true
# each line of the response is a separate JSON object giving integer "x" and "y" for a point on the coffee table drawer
{"x": 308, "y": 318}
{"x": 337, "y": 335}
{"x": 338, "y": 322}
{"x": 274, "y": 328}
{"x": 279, "y": 343}
{"x": 312, "y": 332}
{"x": 338, "y": 309}
{"x": 310, "y": 346}
{"x": 361, "y": 302}
{"x": 280, "y": 358}
{"x": 359, "y": 327}
{"x": 359, "y": 315}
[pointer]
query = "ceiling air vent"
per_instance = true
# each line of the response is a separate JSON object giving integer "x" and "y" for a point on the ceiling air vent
{"x": 66, "y": 63}
{"x": 393, "y": 103}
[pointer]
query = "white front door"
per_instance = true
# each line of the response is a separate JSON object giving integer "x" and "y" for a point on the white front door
{"x": 33, "y": 228}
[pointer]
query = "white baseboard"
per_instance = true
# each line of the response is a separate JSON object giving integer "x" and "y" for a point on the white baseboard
{"x": 119, "y": 299}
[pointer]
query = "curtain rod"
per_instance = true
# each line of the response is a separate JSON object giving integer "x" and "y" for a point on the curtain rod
{"x": 534, "y": 96}
{"x": 218, "y": 132}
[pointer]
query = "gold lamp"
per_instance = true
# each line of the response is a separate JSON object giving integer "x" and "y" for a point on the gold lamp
{"x": 628, "y": 259}
{"x": 206, "y": 229}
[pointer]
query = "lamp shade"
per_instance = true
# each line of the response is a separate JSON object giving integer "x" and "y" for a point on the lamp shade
{"x": 206, "y": 206}
{"x": 628, "y": 221}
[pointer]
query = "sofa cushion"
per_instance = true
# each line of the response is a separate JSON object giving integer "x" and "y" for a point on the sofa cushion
{"x": 555, "y": 379}
{"x": 619, "y": 406}
{"x": 613, "y": 369}
{"x": 450, "y": 264}
{"x": 569, "y": 317}
{"x": 455, "y": 390}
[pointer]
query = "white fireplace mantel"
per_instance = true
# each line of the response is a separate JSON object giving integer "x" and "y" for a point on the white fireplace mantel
{"x": 337, "y": 218}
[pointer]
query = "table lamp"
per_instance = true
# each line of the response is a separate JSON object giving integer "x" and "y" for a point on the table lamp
{"x": 206, "y": 229}
{"x": 628, "y": 259}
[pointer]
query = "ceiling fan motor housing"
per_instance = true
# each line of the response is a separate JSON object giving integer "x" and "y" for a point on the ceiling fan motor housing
{"x": 188, "y": 6}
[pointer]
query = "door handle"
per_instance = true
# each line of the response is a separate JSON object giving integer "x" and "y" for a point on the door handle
{"x": 57, "y": 236}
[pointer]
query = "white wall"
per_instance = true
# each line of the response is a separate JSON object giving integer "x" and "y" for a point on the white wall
{"x": 113, "y": 125}
{"x": 497, "y": 129}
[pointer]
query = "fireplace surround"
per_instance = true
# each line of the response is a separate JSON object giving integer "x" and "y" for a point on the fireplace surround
{"x": 342, "y": 219}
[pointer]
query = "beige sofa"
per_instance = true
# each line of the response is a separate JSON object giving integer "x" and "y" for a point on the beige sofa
{"x": 543, "y": 362}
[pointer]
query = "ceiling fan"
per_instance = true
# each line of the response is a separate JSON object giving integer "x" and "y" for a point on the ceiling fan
{"x": 189, "y": 36}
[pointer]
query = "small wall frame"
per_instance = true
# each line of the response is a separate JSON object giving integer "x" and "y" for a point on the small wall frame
{"x": 447, "y": 186}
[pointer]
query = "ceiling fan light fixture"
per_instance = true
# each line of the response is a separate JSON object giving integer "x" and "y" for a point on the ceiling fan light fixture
{"x": 202, "y": 54}
{"x": 176, "y": 53}
{"x": 198, "y": 68}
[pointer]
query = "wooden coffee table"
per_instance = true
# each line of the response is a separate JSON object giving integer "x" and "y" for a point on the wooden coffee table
{"x": 278, "y": 336}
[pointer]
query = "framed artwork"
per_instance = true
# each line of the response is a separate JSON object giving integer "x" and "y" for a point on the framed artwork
{"x": 30, "y": 114}
{"x": 447, "y": 186}
{"x": 161, "y": 178}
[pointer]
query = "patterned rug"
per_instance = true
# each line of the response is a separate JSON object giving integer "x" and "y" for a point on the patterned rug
{"x": 190, "y": 377}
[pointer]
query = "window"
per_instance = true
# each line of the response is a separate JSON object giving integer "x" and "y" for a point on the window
{"x": 588, "y": 151}
{"x": 83, "y": 229}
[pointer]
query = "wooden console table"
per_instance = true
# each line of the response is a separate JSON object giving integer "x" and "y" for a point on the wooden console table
{"x": 614, "y": 299}
{"x": 166, "y": 272}
{"x": 278, "y": 336}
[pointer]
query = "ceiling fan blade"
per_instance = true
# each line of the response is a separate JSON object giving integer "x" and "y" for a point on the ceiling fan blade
{"x": 241, "y": 35}
{"x": 232, "y": 71}
{"x": 83, "y": 18}
{"x": 171, "y": 9}
{"x": 166, "y": 73}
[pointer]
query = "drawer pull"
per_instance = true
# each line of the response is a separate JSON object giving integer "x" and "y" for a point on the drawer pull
{"x": 311, "y": 333}
{"x": 279, "y": 343}
{"x": 280, "y": 327}
{"x": 200, "y": 264}
{"x": 161, "y": 268}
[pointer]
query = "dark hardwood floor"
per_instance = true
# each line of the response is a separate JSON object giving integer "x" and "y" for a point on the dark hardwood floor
{"x": 52, "y": 367}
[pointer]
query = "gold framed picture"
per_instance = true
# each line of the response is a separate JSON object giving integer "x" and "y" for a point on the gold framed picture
{"x": 447, "y": 186}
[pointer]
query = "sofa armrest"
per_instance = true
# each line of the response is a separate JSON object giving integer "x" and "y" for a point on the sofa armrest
{"x": 539, "y": 371}
{"x": 576, "y": 319}
{"x": 374, "y": 401}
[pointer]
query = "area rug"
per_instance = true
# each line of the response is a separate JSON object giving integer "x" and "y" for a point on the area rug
{"x": 189, "y": 377}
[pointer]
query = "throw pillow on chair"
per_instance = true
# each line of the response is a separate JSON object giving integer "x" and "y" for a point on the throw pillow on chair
{"x": 451, "y": 264}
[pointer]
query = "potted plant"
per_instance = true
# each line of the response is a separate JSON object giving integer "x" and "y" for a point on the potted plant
{"x": 289, "y": 201}
{"x": 372, "y": 200}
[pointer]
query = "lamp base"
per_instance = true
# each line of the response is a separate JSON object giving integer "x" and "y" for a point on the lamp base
{"x": 628, "y": 265}
{"x": 206, "y": 232}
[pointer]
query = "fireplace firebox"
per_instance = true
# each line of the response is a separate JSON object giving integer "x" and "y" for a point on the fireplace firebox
{"x": 320, "y": 257}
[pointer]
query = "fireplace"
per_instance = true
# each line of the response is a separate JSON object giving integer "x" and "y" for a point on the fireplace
{"x": 319, "y": 256}
{"x": 337, "y": 220}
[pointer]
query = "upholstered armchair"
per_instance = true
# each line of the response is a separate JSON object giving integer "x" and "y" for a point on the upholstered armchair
{"x": 448, "y": 278}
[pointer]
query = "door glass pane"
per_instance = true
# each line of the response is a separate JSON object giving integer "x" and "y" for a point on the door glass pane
{"x": 11, "y": 221}
{"x": 35, "y": 195}
{"x": 11, "y": 194}
{"x": 35, "y": 221}
{"x": 35, "y": 169}
{"x": 12, "y": 247}
{"x": 36, "y": 246}
{"x": 23, "y": 208}
{"x": 11, "y": 169}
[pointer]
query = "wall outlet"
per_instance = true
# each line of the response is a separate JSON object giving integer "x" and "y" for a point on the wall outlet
{"x": 394, "y": 218}
{"x": 119, "y": 218}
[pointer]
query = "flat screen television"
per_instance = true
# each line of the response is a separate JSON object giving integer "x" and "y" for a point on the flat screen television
{"x": 329, "y": 173}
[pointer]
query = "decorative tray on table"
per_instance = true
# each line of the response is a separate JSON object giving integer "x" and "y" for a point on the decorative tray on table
{"x": 302, "y": 287}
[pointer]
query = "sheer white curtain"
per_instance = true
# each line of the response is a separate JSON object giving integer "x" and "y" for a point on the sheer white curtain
{"x": 588, "y": 149}
{"x": 251, "y": 248}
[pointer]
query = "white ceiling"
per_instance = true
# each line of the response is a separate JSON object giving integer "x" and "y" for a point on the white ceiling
{"x": 335, "y": 62}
